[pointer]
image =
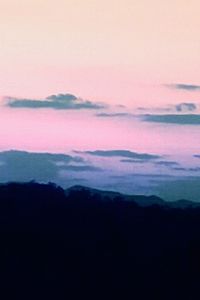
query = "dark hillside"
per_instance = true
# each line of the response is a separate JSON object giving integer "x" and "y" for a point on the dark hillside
{"x": 82, "y": 244}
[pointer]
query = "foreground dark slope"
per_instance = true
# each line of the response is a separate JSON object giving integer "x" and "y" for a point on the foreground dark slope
{"x": 83, "y": 244}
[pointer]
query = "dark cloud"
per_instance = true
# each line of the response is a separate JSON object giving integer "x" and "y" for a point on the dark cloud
{"x": 113, "y": 115}
{"x": 183, "y": 86}
{"x": 182, "y": 119}
{"x": 132, "y": 176}
{"x": 192, "y": 169}
{"x": 59, "y": 102}
{"x": 185, "y": 107}
{"x": 157, "y": 163}
{"x": 166, "y": 163}
{"x": 180, "y": 107}
{"x": 122, "y": 153}
{"x": 171, "y": 111}
{"x": 180, "y": 169}
{"x": 84, "y": 168}
{"x": 197, "y": 155}
{"x": 134, "y": 161}
{"x": 24, "y": 166}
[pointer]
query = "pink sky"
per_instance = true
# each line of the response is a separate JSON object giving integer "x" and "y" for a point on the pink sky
{"x": 97, "y": 49}
{"x": 117, "y": 52}
{"x": 114, "y": 52}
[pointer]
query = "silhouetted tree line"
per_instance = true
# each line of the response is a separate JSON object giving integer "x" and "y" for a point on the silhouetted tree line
{"x": 81, "y": 245}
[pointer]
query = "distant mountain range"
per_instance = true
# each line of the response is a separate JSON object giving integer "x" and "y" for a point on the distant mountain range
{"x": 139, "y": 199}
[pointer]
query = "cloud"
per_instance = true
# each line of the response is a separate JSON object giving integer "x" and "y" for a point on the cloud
{"x": 197, "y": 155}
{"x": 166, "y": 163}
{"x": 59, "y": 102}
{"x": 121, "y": 153}
{"x": 85, "y": 168}
{"x": 24, "y": 166}
{"x": 133, "y": 161}
{"x": 180, "y": 107}
{"x": 182, "y": 119}
{"x": 113, "y": 115}
{"x": 155, "y": 109}
{"x": 183, "y": 86}
{"x": 192, "y": 169}
{"x": 185, "y": 107}
{"x": 131, "y": 176}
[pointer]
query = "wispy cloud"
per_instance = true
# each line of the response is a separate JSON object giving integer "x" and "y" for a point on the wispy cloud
{"x": 84, "y": 168}
{"x": 179, "y": 119}
{"x": 183, "y": 86}
{"x": 145, "y": 113}
{"x": 114, "y": 115}
{"x": 134, "y": 161}
{"x": 59, "y": 102}
{"x": 121, "y": 153}
{"x": 158, "y": 163}
{"x": 192, "y": 169}
{"x": 183, "y": 107}
{"x": 155, "y": 109}
{"x": 166, "y": 163}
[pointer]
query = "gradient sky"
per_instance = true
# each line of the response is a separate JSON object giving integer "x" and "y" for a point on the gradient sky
{"x": 99, "y": 49}
{"x": 134, "y": 64}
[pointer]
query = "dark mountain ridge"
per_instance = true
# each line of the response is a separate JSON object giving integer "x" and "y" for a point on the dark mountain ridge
{"x": 88, "y": 244}
{"x": 141, "y": 200}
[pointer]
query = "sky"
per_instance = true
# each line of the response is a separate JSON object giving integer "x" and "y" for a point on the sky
{"x": 79, "y": 77}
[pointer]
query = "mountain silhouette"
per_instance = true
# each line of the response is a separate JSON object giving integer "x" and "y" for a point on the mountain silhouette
{"x": 83, "y": 243}
{"x": 141, "y": 200}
